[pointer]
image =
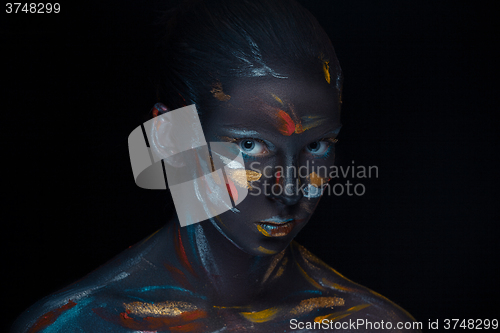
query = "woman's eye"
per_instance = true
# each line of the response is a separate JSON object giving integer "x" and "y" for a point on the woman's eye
{"x": 318, "y": 147}
{"x": 252, "y": 147}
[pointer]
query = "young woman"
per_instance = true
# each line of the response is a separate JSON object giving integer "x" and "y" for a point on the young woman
{"x": 264, "y": 76}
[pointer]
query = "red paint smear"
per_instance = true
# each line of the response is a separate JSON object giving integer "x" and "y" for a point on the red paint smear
{"x": 286, "y": 126}
{"x": 155, "y": 112}
{"x": 50, "y": 317}
{"x": 179, "y": 276}
{"x": 182, "y": 98}
{"x": 181, "y": 254}
{"x": 180, "y": 323}
{"x": 233, "y": 192}
{"x": 191, "y": 327}
{"x": 278, "y": 176}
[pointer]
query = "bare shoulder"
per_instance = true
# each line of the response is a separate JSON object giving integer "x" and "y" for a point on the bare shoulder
{"x": 70, "y": 310}
{"x": 361, "y": 306}
{"x": 82, "y": 306}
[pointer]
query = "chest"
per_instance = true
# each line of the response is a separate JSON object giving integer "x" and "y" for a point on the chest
{"x": 182, "y": 316}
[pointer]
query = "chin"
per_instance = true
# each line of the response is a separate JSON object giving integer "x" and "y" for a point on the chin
{"x": 257, "y": 244}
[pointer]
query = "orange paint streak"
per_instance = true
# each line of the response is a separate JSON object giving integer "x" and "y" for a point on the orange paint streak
{"x": 299, "y": 129}
{"x": 50, "y": 317}
{"x": 181, "y": 253}
{"x": 286, "y": 125}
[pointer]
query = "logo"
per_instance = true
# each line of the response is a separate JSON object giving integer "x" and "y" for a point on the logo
{"x": 170, "y": 151}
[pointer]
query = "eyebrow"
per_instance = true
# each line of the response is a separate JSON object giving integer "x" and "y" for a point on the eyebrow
{"x": 239, "y": 130}
{"x": 334, "y": 132}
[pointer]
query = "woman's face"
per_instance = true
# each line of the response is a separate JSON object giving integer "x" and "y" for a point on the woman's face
{"x": 286, "y": 131}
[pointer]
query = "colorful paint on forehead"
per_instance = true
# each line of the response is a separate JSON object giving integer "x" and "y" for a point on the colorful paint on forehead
{"x": 284, "y": 122}
{"x": 218, "y": 93}
{"x": 286, "y": 126}
{"x": 289, "y": 124}
{"x": 277, "y": 98}
{"x": 309, "y": 122}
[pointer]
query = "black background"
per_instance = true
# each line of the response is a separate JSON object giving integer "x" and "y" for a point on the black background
{"x": 420, "y": 102}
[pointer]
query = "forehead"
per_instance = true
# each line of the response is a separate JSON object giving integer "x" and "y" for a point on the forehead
{"x": 290, "y": 106}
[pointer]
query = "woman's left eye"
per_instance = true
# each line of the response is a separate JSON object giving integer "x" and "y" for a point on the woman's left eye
{"x": 318, "y": 147}
{"x": 252, "y": 147}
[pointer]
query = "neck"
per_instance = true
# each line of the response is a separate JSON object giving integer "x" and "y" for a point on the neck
{"x": 218, "y": 269}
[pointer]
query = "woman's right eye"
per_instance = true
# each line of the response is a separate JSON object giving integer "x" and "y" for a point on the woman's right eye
{"x": 252, "y": 147}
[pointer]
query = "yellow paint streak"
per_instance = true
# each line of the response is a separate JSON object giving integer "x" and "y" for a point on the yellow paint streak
{"x": 281, "y": 269}
{"x": 341, "y": 314}
{"x": 299, "y": 128}
{"x": 309, "y": 279}
{"x": 149, "y": 237}
{"x": 316, "y": 180}
{"x": 266, "y": 251}
{"x": 261, "y": 316}
{"x": 263, "y": 231}
{"x": 277, "y": 98}
{"x": 326, "y": 70}
{"x": 273, "y": 264}
{"x": 219, "y": 93}
{"x": 168, "y": 308}
{"x": 309, "y": 122}
{"x": 311, "y": 304}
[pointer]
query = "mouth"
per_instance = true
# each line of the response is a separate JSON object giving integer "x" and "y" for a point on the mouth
{"x": 276, "y": 227}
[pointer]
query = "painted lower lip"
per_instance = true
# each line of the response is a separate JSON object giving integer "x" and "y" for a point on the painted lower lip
{"x": 270, "y": 229}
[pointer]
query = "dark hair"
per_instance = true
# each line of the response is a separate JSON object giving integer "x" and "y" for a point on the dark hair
{"x": 209, "y": 42}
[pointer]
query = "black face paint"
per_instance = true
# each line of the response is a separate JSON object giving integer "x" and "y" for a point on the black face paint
{"x": 285, "y": 129}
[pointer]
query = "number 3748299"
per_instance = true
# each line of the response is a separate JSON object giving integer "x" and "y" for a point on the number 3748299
{"x": 32, "y": 8}
{"x": 477, "y": 324}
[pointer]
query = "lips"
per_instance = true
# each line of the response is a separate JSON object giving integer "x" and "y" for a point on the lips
{"x": 276, "y": 227}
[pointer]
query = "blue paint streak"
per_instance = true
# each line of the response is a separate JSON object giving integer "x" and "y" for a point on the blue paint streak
{"x": 152, "y": 288}
{"x": 317, "y": 292}
{"x": 192, "y": 242}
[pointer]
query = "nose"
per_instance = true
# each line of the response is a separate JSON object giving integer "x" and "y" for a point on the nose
{"x": 286, "y": 186}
